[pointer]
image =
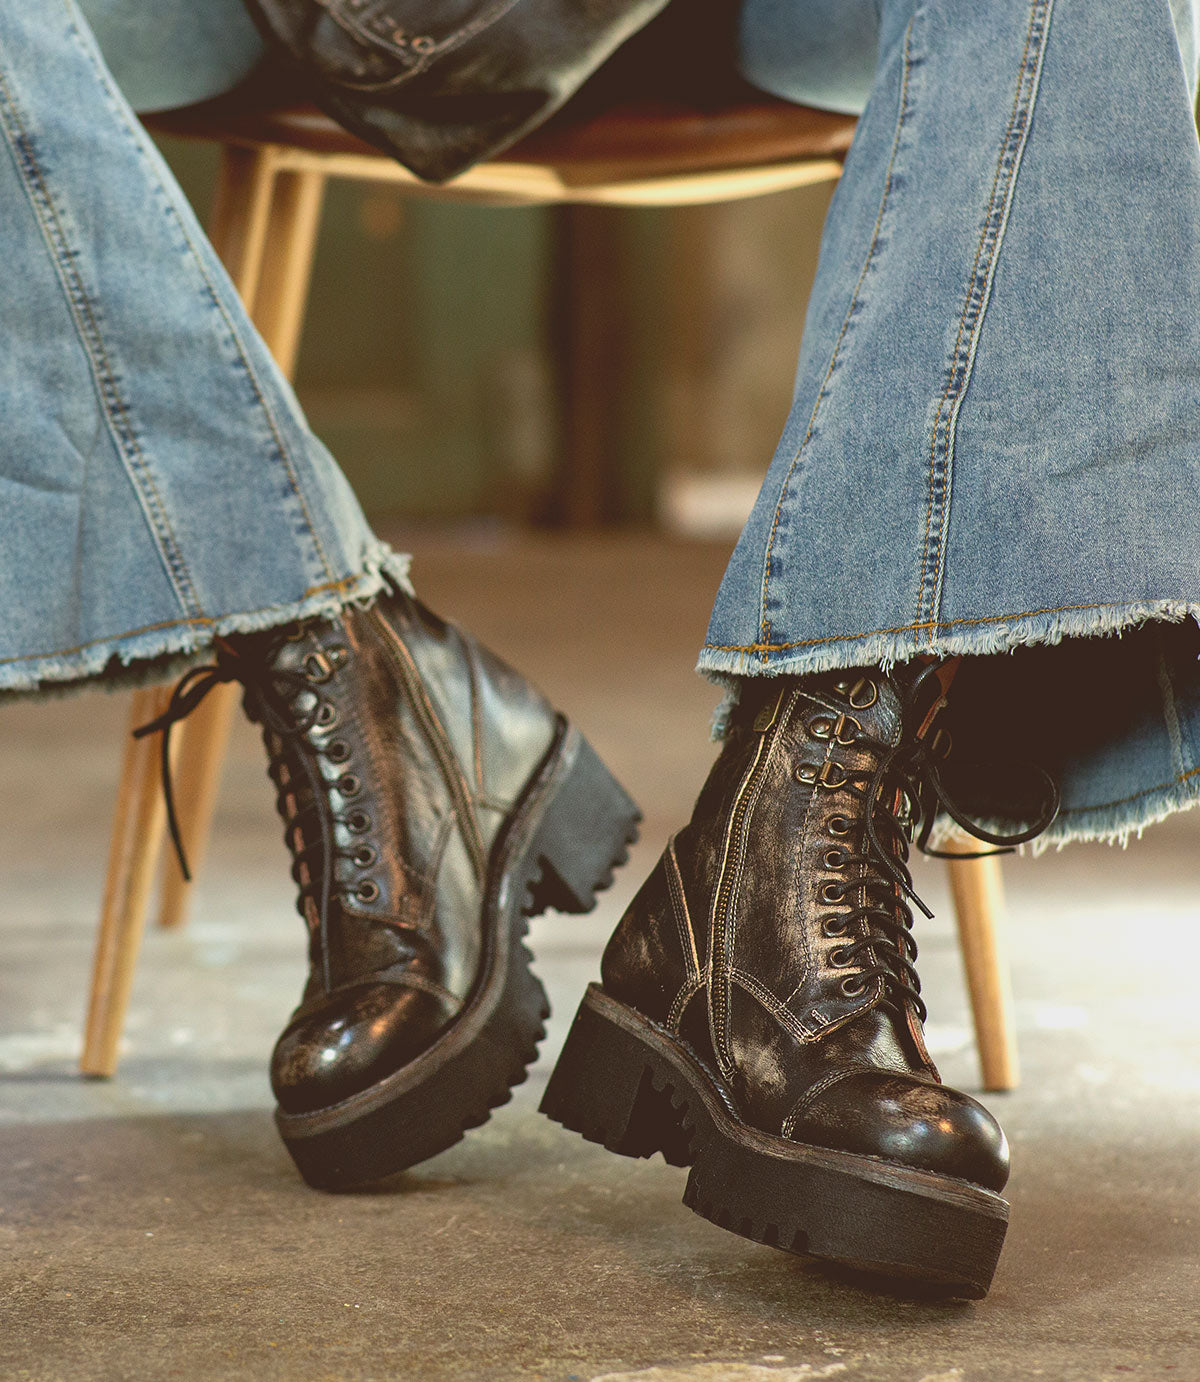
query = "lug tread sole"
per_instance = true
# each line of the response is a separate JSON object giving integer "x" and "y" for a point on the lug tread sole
{"x": 571, "y": 832}
{"x": 627, "y": 1085}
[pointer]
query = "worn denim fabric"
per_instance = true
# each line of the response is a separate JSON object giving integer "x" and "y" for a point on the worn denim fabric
{"x": 168, "y": 53}
{"x": 158, "y": 482}
{"x": 995, "y": 435}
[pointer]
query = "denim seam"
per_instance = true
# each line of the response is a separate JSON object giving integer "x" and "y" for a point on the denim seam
{"x": 764, "y": 648}
{"x": 961, "y": 365}
{"x": 281, "y": 451}
{"x": 1170, "y": 711}
{"x": 86, "y": 318}
{"x": 822, "y": 392}
{"x": 199, "y": 620}
{"x": 1139, "y": 795}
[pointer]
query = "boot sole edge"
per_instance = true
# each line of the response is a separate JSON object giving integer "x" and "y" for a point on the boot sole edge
{"x": 630, "y": 1086}
{"x": 569, "y": 831}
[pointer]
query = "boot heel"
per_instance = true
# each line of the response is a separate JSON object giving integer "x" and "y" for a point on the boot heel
{"x": 584, "y": 834}
{"x": 603, "y": 1088}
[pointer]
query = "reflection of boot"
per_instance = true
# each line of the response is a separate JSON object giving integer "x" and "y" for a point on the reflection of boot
{"x": 760, "y": 1018}
{"x": 433, "y": 801}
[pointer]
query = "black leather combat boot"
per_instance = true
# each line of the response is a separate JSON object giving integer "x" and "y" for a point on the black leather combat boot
{"x": 760, "y": 1015}
{"x": 433, "y": 801}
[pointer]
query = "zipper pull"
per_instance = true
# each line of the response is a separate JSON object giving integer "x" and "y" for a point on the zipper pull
{"x": 767, "y": 716}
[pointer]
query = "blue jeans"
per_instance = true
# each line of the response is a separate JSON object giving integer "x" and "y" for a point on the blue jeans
{"x": 993, "y": 438}
{"x": 159, "y": 483}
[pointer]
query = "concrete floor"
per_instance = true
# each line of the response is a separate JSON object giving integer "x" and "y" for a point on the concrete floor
{"x": 153, "y": 1227}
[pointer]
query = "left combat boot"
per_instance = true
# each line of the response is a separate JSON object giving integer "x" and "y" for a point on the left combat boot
{"x": 433, "y": 800}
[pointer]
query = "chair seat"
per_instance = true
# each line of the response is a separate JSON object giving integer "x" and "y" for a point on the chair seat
{"x": 643, "y": 139}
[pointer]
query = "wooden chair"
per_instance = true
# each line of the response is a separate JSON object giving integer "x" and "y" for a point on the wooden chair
{"x": 275, "y": 162}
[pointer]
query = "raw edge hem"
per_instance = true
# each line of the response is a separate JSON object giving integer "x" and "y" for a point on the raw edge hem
{"x": 1107, "y": 824}
{"x": 126, "y": 662}
{"x": 1001, "y": 635}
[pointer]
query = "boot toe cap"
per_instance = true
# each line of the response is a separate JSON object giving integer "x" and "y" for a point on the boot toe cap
{"x": 353, "y": 1042}
{"x": 918, "y": 1123}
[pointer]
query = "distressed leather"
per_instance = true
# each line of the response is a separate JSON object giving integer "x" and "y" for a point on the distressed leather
{"x": 421, "y": 741}
{"x": 441, "y": 84}
{"x": 728, "y": 946}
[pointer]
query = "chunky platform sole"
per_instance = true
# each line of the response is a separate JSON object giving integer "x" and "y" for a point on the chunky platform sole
{"x": 571, "y": 828}
{"x": 627, "y": 1084}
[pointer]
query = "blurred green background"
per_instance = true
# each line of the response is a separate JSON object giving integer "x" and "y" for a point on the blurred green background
{"x": 439, "y": 355}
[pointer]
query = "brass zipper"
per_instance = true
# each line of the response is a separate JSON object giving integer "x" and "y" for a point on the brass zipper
{"x": 731, "y": 869}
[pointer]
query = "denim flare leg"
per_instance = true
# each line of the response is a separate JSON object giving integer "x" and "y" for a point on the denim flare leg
{"x": 158, "y": 482}
{"x": 995, "y": 436}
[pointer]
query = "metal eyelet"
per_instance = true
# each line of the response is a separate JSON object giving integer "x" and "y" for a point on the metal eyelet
{"x": 863, "y": 694}
{"x": 358, "y": 821}
{"x": 837, "y": 958}
{"x": 364, "y": 856}
{"x": 825, "y": 728}
{"x": 338, "y": 751}
{"x": 326, "y": 715}
{"x": 832, "y": 892}
{"x": 349, "y": 785}
{"x": 838, "y": 825}
{"x": 367, "y": 891}
{"x": 830, "y": 775}
{"x": 853, "y": 988}
{"x": 832, "y": 927}
{"x": 339, "y": 656}
{"x": 835, "y": 859}
{"x": 840, "y": 735}
{"x": 318, "y": 667}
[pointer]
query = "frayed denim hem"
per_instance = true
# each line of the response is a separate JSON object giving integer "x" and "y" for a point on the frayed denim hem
{"x": 1111, "y": 822}
{"x": 965, "y": 637}
{"x": 145, "y": 656}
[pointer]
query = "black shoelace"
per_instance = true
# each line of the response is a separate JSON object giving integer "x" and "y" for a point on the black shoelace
{"x": 900, "y": 797}
{"x": 271, "y": 696}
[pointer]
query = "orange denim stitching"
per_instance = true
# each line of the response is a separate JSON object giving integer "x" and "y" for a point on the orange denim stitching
{"x": 966, "y": 312}
{"x": 764, "y": 625}
{"x": 79, "y": 302}
{"x": 199, "y": 621}
{"x": 134, "y": 130}
{"x": 1134, "y": 796}
{"x": 908, "y": 628}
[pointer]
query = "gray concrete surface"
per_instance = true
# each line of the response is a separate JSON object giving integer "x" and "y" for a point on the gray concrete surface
{"x": 152, "y": 1226}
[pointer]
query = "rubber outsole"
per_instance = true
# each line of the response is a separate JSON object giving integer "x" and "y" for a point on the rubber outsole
{"x": 625, "y": 1083}
{"x": 568, "y": 833}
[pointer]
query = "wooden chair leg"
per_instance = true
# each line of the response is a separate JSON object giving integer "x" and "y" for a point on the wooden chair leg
{"x": 274, "y": 284}
{"x": 978, "y": 904}
{"x": 256, "y": 206}
{"x": 138, "y": 826}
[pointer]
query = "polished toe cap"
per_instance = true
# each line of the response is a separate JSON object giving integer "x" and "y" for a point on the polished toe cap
{"x": 915, "y": 1122}
{"x": 352, "y": 1042}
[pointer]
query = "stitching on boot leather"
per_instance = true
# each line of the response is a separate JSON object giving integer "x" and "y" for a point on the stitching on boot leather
{"x": 476, "y": 714}
{"x": 756, "y": 989}
{"x": 431, "y": 723}
{"x": 683, "y": 918}
{"x": 728, "y": 883}
{"x": 788, "y": 1126}
{"x": 682, "y": 999}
